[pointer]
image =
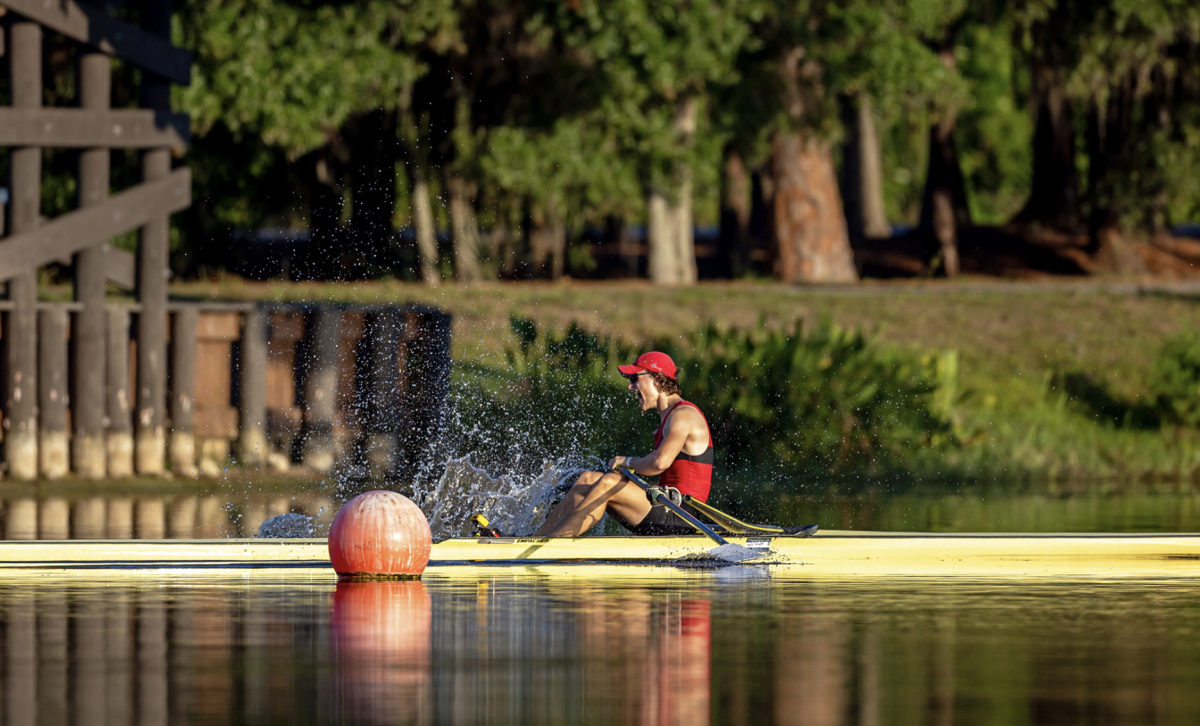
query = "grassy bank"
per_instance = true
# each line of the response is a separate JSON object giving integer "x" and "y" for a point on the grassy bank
{"x": 1048, "y": 379}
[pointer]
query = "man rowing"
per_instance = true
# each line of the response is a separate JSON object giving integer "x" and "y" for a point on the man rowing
{"x": 682, "y": 459}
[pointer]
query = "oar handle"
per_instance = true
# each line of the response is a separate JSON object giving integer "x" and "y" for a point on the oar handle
{"x": 656, "y": 496}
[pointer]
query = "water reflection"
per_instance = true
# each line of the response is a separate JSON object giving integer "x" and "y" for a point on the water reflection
{"x": 168, "y": 516}
{"x": 381, "y": 636}
{"x": 587, "y": 645}
{"x": 44, "y": 513}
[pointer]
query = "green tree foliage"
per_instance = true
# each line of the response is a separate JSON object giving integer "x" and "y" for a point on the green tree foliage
{"x": 645, "y": 58}
{"x": 1130, "y": 70}
{"x": 291, "y": 73}
{"x": 569, "y": 110}
{"x": 995, "y": 129}
{"x": 273, "y": 81}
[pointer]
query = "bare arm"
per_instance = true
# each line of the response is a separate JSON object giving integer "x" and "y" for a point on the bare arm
{"x": 681, "y": 424}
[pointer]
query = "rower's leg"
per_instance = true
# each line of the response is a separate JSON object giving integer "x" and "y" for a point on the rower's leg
{"x": 569, "y": 503}
{"x": 611, "y": 491}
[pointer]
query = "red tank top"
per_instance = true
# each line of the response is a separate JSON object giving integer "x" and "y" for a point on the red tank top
{"x": 691, "y": 475}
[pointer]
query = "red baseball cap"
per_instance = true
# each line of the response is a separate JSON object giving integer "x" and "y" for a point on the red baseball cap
{"x": 652, "y": 361}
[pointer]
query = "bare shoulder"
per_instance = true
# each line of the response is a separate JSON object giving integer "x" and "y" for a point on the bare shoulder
{"x": 687, "y": 418}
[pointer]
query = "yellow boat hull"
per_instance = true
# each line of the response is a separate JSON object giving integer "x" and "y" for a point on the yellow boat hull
{"x": 829, "y": 553}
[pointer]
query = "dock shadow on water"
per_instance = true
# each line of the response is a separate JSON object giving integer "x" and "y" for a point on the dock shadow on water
{"x": 597, "y": 645}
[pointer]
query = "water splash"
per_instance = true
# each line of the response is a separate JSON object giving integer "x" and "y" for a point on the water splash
{"x": 514, "y": 503}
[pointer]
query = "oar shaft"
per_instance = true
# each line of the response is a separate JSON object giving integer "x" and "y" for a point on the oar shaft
{"x": 683, "y": 513}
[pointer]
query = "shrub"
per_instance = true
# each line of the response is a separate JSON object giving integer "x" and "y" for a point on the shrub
{"x": 779, "y": 402}
{"x": 825, "y": 402}
{"x": 1175, "y": 379}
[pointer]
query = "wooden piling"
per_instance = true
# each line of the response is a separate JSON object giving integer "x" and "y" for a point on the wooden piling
{"x": 20, "y": 324}
{"x": 252, "y": 389}
{"x": 53, "y": 443}
{"x": 184, "y": 322}
{"x": 152, "y": 273}
{"x": 119, "y": 441}
{"x": 320, "y": 387}
{"x": 87, "y": 363}
{"x": 383, "y": 409}
{"x": 427, "y": 382}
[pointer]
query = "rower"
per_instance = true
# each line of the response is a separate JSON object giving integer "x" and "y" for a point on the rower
{"x": 682, "y": 459}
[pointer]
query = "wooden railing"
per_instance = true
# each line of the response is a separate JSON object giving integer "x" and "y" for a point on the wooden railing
{"x": 33, "y": 440}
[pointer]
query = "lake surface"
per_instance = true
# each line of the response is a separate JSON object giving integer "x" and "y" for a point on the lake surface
{"x": 595, "y": 645}
{"x": 589, "y": 644}
{"x": 156, "y": 510}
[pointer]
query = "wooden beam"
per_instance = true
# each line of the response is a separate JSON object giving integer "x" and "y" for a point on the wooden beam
{"x": 80, "y": 229}
{"x": 92, "y": 25}
{"x": 120, "y": 267}
{"x": 80, "y": 128}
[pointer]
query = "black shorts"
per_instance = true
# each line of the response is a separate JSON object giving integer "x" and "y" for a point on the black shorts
{"x": 660, "y": 521}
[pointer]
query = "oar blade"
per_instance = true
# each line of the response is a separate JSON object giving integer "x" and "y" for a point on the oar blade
{"x": 736, "y": 553}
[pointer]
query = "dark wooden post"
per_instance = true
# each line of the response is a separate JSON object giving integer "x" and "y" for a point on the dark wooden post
{"x": 53, "y": 444}
{"x": 252, "y": 389}
{"x": 383, "y": 404}
{"x": 183, "y": 390}
{"x": 427, "y": 376}
{"x": 119, "y": 443}
{"x": 320, "y": 386}
{"x": 87, "y": 363}
{"x": 152, "y": 273}
{"x": 20, "y": 326}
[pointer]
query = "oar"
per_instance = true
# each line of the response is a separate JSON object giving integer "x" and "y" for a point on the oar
{"x": 726, "y": 551}
{"x": 734, "y": 525}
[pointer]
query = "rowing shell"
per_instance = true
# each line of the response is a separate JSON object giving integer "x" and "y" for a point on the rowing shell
{"x": 829, "y": 553}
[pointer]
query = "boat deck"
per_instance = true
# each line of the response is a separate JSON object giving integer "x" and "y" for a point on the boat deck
{"x": 829, "y": 553}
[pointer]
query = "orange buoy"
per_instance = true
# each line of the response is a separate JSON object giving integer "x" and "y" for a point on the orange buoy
{"x": 380, "y": 533}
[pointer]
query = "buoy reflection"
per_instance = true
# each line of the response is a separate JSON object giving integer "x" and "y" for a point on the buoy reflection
{"x": 381, "y": 637}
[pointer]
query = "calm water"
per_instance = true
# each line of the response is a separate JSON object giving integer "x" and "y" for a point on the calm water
{"x": 596, "y": 645}
{"x": 122, "y": 512}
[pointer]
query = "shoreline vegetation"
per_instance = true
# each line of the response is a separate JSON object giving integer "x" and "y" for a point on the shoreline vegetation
{"x": 1036, "y": 385}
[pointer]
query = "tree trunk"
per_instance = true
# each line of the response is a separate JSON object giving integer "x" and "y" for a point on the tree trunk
{"x": 373, "y": 165}
{"x": 735, "y": 215}
{"x": 424, "y": 225}
{"x": 464, "y": 228}
{"x": 764, "y": 252}
{"x": 944, "y": 204}
{"x": 547, "y": 245}
{"x": 1054, "y": 191}
{"x": 670, "y": 234}
{"x": 810, "y": 226}
{"x": 616, "y": 231}
{"x": 660, "y": 232}
{"x": 862, "y": 171}
{"x": 1110, "y": 128}
{"x": 323, "y": 260}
